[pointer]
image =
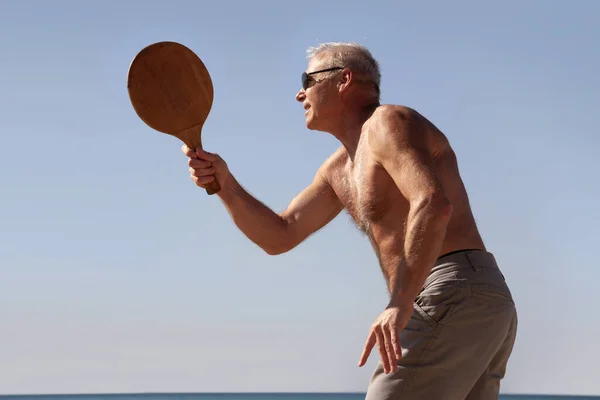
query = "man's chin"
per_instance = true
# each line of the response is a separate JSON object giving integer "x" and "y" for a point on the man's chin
{"x": 311, "y": 125}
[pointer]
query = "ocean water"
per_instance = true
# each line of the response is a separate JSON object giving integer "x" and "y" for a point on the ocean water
{"x": 250, "y": 396}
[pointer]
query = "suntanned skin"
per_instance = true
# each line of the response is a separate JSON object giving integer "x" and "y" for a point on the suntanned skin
{"x": 401, "y": 159}
{"x": 395, "y": 174}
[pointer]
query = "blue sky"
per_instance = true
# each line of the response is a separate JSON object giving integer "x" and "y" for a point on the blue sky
{"x": 117, "y": 274}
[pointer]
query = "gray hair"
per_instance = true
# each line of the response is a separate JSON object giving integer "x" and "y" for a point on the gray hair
{"x": 347, "y": 54}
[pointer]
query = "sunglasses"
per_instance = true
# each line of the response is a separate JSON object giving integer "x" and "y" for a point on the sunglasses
{"x": 308, "y": 81}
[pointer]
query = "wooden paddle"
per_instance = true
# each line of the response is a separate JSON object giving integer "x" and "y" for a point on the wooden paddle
{"x": 172, "y": 92}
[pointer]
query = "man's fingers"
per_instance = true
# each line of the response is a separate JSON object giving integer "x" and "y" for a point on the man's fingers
{"x": 396, "y": 342}
{"x": 371, "y": 340}
{"x": 205, "y": 155}
{"x": 197, "y": 163}
{"x": 202, "y": 172}
{"x": 389, "y": 348}
{"x": 188, "y": 152}
{"x": 199, "y": 153}
{"x": 203, "y": 180}
{"x": 382, "y": 352}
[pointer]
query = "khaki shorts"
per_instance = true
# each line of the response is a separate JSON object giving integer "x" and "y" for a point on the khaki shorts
{"x": 460, "y": 337}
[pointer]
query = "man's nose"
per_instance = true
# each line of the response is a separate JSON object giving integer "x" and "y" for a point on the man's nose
{"x": 301, "y": 95}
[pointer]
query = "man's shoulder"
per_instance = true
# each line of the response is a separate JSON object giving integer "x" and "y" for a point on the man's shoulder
{"x": 394, "y": 111}
{"x": 393, "y": 114}
{"x": 392, "y": 122}
{"x": 394, "y": 125}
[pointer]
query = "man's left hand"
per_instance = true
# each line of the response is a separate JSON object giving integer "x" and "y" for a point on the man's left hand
{"x": 385, "y": 332}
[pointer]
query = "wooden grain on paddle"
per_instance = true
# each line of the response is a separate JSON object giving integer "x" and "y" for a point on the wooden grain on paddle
{"x": 172, "y": 92}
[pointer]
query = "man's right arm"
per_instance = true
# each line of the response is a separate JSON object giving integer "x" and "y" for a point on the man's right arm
{"x": 276, "y": 233}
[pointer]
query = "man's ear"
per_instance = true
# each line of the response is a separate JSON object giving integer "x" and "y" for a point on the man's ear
{"x": 346, "y": 78}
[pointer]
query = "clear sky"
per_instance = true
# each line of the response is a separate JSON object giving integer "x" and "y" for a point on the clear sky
{"x": 117, "y": 274}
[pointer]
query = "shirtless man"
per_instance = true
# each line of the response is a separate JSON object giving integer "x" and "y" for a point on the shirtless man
{"x": 450, "y": 324}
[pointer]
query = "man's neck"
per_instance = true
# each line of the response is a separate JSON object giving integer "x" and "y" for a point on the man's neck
{"x": 350, "y": 126}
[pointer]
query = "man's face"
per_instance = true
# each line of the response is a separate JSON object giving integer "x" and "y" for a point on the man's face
{"x": 320, "y": 98}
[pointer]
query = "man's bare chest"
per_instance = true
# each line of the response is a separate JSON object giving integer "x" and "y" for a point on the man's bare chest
{"x": 366, "y": 191}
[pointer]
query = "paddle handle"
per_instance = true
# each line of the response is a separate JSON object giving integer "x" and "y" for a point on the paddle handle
{"x": 213, "y": 187}
{"x": 192, "y": 139}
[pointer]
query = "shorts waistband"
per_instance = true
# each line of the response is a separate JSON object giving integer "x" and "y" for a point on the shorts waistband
{"x": 476, "y": 259}
{"x": 467, "y": 263}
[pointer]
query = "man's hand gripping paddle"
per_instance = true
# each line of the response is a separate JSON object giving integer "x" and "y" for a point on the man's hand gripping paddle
{"x": 172, "y": 92}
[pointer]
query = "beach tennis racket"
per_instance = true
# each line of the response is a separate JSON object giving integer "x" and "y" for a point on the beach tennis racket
{"x": 172, "y": 92}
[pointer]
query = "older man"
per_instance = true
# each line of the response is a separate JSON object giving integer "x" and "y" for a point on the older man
{"x": 450, "y": 324}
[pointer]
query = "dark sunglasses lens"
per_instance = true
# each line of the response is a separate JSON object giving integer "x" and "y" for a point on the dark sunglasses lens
{"x": 304, "y": 80}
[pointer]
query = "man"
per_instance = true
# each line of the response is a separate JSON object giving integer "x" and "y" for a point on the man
{"x": 450, "y": 324}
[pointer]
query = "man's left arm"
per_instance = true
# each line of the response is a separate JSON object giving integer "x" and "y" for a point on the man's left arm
{"x": 400, "y": 145}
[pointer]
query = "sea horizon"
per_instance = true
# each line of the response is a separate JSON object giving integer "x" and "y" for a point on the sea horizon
{"x": 173, "y": 395}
